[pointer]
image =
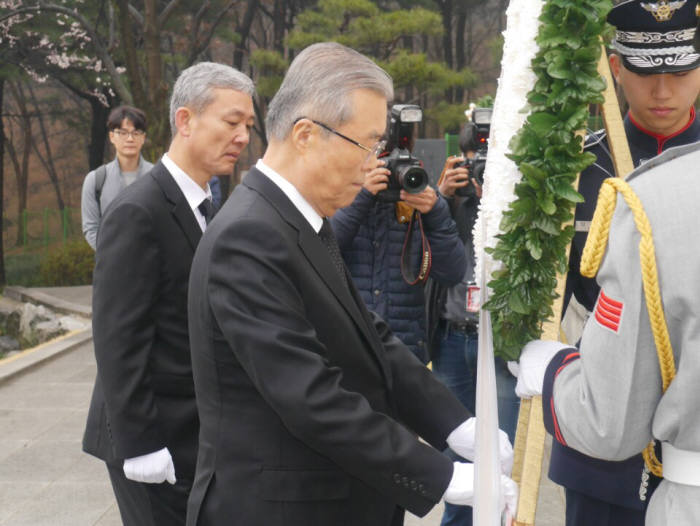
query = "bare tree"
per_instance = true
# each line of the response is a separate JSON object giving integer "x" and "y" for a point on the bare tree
{"x": 243, "y": 27}
{"x": 46, "y": 158}
{"x": 143, "y": 39}
{"x": 3, "y": 279}
{"x": 20, "y": 155}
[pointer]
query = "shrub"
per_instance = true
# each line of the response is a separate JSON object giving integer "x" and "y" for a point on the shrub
{"x": 23, "y": 269}
{"x": 68, "y": 264}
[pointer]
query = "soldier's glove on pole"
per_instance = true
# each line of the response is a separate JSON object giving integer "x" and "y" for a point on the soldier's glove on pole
{"x": 460, "y": 491}
{"x": 509, "y": 495}
{"x": 153, "y": 468}
{"x": 463, "y": 442}
{"x": 533, "y": 363}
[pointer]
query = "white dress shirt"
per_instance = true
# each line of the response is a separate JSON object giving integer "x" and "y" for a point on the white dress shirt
{"x": 315, "y": 220}
{"x": 194, "y": 194}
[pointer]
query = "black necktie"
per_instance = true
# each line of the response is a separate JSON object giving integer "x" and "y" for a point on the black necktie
{"x": 206, "y": 208}
{"x": 328, "y": 238}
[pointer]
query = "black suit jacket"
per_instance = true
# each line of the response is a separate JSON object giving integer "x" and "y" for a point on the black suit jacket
{"x": 308, "y": 404}
{"x": 144, "y": 394}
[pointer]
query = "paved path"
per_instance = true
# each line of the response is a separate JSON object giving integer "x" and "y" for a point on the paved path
{"x": 45, "y": 479}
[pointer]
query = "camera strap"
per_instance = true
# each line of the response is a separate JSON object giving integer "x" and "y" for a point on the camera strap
{"x": 426, "y": 256}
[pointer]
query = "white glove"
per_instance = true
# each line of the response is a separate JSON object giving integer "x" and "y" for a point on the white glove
{"x": 509, "y": 495}
{"x": 513, "y": 367}
{"x": 463, "y": 442}
{"x": 153, "y": 468}
{"x": 534, "y": 360}
{"x": 460, "y": 490}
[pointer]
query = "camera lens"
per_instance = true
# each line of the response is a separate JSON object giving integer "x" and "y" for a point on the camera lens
{"x": 413, "y": 179}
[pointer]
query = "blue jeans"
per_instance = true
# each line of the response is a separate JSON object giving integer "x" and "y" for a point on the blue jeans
{"x": 454, "y": 364}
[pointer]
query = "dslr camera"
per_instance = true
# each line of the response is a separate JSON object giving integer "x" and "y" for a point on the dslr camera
{"x": 481, "y": 119}
{"x": 407, "y": 172}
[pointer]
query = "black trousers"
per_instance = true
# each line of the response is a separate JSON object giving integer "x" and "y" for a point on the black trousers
{"x": 142, "y": 504}
{"x": 582, "y": 510}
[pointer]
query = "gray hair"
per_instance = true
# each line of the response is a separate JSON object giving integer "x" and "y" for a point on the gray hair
{"x": 318, "y": 85}
{"x": 193, "y": 88}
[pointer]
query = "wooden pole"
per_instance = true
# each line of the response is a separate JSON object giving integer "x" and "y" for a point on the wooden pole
{"x": 530, "y": 435}
{"x": 528, "y": 450}
{"x": 615, "y": 128}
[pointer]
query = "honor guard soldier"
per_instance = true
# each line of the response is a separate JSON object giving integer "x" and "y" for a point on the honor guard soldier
{"x": 620, "y": 392}
{"x": 655, "y": 64}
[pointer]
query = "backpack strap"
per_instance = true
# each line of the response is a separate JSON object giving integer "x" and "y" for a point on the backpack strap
{"x": 100, "y": 176}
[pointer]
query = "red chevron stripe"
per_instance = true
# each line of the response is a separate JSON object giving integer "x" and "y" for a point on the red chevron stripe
{"x": 607, "y": 323}
{"x": 612, "y": 318}
{"x": 610, "y": 301}
{"x": 609, "y": 308}
{"x": 608, "y": 312}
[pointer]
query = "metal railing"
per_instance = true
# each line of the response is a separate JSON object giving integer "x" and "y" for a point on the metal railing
{"x": 42, "y": 228}
{"x": 28, "y": 243}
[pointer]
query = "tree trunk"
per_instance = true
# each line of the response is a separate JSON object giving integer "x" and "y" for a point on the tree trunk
{"x": 98, "y": 122}
{"x": 279, "y": 25}
{"x": 409, "y": 92}
{"x": 261, "y": 120}
{"x": 48, "y": 160}
{"x": 98, "y": 133}
{"x": 3, "y": 280}
{"x": 225, "y": 182}
{"x": 243, "y": 29}
{"x": 460, "y": 59}
{"x": 22, "y": 166}
{"x": 469, "y": 44}
{"x": 157, "y": 110}
{"x": 447, "y": 13}
{"x": 132, "y": 63}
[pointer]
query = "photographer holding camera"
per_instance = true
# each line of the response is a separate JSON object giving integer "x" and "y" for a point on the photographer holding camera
{"x": 397, "y": 231}
{"x": 453, "y": 311}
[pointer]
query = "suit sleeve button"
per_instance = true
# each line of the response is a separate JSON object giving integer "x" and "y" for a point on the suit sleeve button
{"x": 397, "y": 478}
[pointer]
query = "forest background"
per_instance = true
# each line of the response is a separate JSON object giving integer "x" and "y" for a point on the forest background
{"x": 65, "y": 63}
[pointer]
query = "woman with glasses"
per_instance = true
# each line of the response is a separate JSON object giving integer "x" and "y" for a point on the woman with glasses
{"x": 127, "y": 132}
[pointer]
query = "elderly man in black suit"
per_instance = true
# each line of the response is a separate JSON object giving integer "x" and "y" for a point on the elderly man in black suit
{"x": 309, "y": 406}
{"x": 143, "y": 419}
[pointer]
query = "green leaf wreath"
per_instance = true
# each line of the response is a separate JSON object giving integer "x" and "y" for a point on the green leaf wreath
{"x": 548, "y": 151}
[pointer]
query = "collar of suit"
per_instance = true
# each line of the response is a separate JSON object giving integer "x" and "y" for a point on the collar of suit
{"x": 193, "y": 193}
{"x": 181, "y": 209}
{"x": 298, "y": 200}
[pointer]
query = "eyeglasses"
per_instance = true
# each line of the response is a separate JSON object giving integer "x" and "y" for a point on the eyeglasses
{"x": 374, "y": 150}
{"x": 123, "y": 134}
